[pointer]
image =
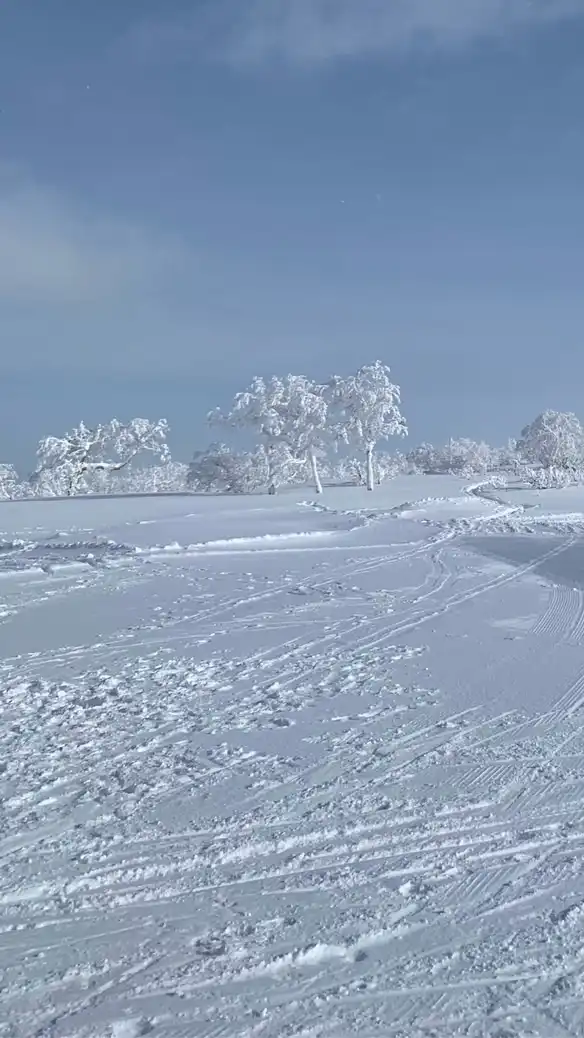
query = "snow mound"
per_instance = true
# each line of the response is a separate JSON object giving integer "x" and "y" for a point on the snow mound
{"x": 436, "y": 507}
{"x": 52, "y": 555}
{"x": 267, "y": 541}
{"x": 525, "y": 522}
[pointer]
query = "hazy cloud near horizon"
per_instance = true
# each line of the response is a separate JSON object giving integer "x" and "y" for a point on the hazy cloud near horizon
{"x": 84, "y": 292}
{"x": 52, "y": 253}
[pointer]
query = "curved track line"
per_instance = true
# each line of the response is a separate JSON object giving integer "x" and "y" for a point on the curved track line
{"x": 562, "y": 612}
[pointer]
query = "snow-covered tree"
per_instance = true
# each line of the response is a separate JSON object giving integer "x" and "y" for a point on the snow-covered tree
{"x": 554, "y": 440}
{"x": 10, "y": 487}
{"x": 168, "y": 478}
{"x": 219, "y": 470}
{"x": 463, "y": 457}
{"x": 65, "y": 463}
{"x": 385, "y": 467}
{"x": 509, "y": 458}
{"x": 366, "y": 410}
{"x": 428, "y": 459}
{"x": 472, "y": 458}
{"x": 138, "y": 438}
{"x": 403, "y": 465}
{"x": 552, "y": 478}
{"x": 353, "y": 470}
{"x": 285, "y": 414}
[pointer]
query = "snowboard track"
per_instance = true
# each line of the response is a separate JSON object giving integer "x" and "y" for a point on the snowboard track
{"x": 438, "y": 849}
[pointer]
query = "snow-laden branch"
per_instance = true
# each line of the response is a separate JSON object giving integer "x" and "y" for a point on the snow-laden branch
{"x": 64, "y": 462}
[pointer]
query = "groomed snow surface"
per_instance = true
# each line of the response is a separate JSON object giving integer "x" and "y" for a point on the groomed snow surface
{"x": 292, "y": 769}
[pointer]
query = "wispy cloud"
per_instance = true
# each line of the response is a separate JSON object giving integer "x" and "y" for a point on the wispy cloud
{"x": 314, "y": 31}
{"x": 52, "y": 252}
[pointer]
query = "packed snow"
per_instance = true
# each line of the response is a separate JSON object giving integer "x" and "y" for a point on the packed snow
{"x": 293, "y": 766}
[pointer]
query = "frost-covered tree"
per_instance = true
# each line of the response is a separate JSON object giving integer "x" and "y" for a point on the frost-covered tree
{"x": 350, "y": 470}
{"x": 285, "y": 414}
{"x": 552, "y": 478}
{"x": 386, "y": 467}
{"x": 219, "y": 470}
{"x": 168, "y": 478}
{"x": 403, "y": 465}
{"x": 10, "y": 487}
{"x": 466, "y": 457}
{"x": 510, "y": 459}
{"x": 366, "y": 410}
{"x": 138, "y": 438}
{"x": 427, "y": 459}
{"x": 66, "y": 463}
{"x": 554, "y": 440}
{"x": 353, "y": 470}
{"x": 462, "y": 457}
{"x": 471, "y": 458}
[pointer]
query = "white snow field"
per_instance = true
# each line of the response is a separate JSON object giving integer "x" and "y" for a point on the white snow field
{"x": 274, "y": 768}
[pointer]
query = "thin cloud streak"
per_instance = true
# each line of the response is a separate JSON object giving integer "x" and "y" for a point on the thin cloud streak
{"x": 321, "y": 31}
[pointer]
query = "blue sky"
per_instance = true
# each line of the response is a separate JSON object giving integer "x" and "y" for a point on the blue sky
{"x": 195, "y": 192}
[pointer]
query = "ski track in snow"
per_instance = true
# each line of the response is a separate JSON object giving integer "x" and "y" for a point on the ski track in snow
{"x": 295, "y": 791}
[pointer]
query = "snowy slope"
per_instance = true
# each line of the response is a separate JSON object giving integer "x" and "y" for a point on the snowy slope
{"x": 276, "y": 767}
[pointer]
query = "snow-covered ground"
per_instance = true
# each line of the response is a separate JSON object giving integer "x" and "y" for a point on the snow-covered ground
{"x": 271, "y": 767}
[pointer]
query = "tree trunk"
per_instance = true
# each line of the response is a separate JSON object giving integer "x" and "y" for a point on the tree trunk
{"x": 315, "y": 475}
{"x": 370, "y": 479}
{"x": 272, "y": 483}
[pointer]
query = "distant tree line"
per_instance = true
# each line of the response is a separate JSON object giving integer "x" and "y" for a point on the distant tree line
{"x": 301, "y": 431}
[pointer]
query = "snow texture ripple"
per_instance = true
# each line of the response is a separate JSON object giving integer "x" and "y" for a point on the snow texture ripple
{"x": 269, "y": 769}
